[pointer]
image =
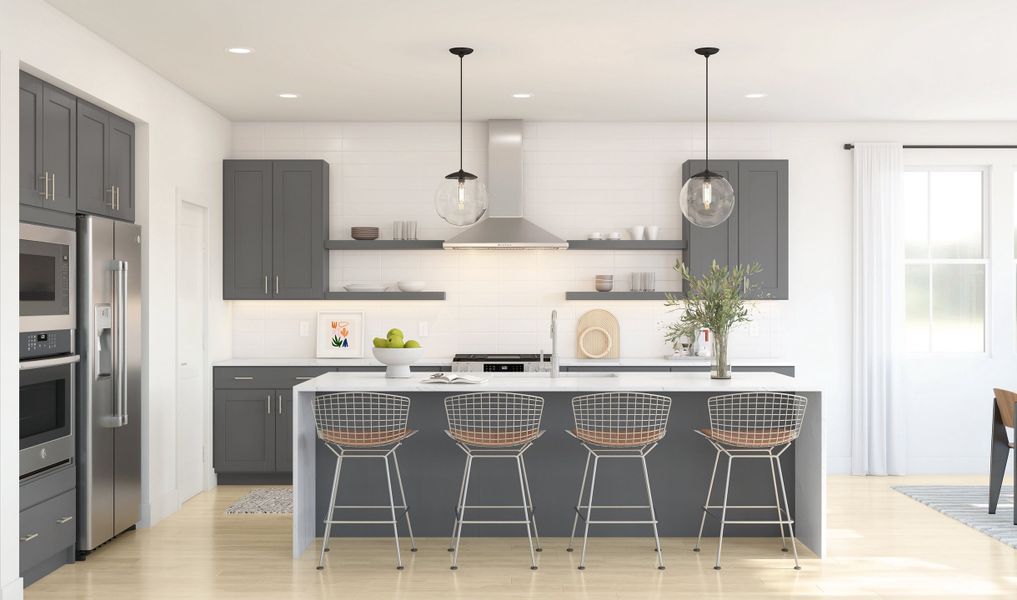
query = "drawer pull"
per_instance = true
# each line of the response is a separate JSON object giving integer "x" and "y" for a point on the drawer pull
{"x": 64, "y": 520}
{"x": 30, "y": 537}
{"x": 303, "y": 378}
{"x": 244, "y": 378}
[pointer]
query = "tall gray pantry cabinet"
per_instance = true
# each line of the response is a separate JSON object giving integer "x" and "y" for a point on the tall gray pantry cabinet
{"x": 757, "y": 230}
{"x": 275, "y": 223}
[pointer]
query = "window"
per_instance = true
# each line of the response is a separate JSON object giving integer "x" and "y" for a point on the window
{"x": 944, "y": 260}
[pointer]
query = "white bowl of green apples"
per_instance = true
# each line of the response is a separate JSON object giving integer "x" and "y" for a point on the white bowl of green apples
{"x": 397, "y": 355}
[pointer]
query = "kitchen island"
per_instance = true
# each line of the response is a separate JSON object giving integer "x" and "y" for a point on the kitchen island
{"x": 679, "y": 466}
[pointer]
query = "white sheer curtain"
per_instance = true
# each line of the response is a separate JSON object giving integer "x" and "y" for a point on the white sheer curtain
{"x": 877, "y": 424}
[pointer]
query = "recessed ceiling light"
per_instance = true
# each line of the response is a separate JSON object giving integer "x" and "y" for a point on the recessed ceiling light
{"x": 289, "y": 95}
{"x": 522, "y": 95}
{"x": 755, "y": 95}
{"x": 239, "y": 50}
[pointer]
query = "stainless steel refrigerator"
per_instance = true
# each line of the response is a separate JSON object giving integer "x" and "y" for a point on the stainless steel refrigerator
{"x": 109, "y": 399}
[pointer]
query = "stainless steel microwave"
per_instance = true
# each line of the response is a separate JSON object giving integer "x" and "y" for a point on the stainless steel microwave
{"x": 47, "y": 278}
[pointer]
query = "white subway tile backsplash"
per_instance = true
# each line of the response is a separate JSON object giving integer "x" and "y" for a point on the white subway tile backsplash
{"x": 578, "y": 178}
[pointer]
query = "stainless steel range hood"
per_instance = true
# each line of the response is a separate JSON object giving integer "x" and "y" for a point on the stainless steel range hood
{"x": 505, "y": 227}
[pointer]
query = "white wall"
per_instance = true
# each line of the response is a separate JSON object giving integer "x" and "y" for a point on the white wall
{"x": 180, "y": 144}
{"x": 580, "y": 177}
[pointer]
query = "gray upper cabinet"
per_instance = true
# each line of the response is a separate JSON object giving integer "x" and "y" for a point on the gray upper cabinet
{"x": 105, "y": 163}
{"x": 275, "y": 223}
{"x": 757, "y": 230}
{"x": 244, "y": 422}
{"x": 47, "y": 146}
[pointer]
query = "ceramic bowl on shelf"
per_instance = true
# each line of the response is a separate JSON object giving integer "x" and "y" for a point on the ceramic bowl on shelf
{"x": 364, "y": 233}
{"x": 410, "y": 286}
{"x": 365, "y": 287}
{"x": 398, "y": 360}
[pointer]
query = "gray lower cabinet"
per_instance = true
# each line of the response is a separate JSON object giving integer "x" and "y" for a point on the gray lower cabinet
{"x": 48, "y": 530}
{"x": 105, "y": 165}
{"x": 47, "y": 146}
{"x": 757, "y": 230}
{"x": 253, "y": 421}
{"x": 275, "y": 223}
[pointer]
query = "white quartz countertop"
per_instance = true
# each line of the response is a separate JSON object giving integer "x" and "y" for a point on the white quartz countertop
{"x": 569, "y": 382}
{"x": 445, "y": 362}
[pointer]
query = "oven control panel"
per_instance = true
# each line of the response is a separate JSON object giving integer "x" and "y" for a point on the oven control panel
{"x": 38, "y": 344}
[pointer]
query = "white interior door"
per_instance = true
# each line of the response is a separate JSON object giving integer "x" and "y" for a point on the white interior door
{"x": 192, "y": 287}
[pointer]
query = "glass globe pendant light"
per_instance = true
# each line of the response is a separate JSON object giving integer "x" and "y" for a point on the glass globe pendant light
{"x": 461, "y": 198}
{"x": 707, "y": 199}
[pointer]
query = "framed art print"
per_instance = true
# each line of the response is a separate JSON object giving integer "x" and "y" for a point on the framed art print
{"x": 340, "y": 335}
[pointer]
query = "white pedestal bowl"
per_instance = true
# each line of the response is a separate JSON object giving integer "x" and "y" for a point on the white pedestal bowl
{"x": 398, "y": 360}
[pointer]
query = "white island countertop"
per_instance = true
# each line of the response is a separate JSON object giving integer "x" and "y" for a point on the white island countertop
{"x": 567, "y": 382}
{"x": 685, "y": 361}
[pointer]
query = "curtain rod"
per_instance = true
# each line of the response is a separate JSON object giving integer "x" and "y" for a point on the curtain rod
{"x": 948, "y": 147}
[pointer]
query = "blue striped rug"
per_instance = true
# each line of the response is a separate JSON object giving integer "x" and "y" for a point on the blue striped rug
{"x": 969, "y": 504}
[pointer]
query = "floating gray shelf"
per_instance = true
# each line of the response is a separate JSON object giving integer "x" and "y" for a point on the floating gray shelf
{"x": 627, "y": 244}
{"x": 611, "y": 296}
{"x": 383, "y": 244}
{"x": 384, "y": 295}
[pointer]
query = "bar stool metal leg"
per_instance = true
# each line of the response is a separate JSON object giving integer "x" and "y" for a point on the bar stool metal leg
{"x": 787, "y": 509}
{"x": 402, "y": 494}
{"x": 331, "y": 509}
{"x": 776, "y": 497}
{"x": 589, "y": 514}
{"x": 526, "y": 513}
{"x": 723, "y": 513}
{"x": 709, "y": 493}
{"x": 395, "y": 522}
{"x": 653, "y": 515}
{"x": 579, "y": 502}
{"x": 529, "y": 498}
{"x": 461, "y": 515}
{"x": 459, "y": 503}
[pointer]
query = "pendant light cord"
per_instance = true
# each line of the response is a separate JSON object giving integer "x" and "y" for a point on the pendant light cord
{"x": 460, "y": 114}
{"x": 707, "y": 114}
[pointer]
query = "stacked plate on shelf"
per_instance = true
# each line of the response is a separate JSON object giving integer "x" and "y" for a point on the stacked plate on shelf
{"x": 364, "y": 233}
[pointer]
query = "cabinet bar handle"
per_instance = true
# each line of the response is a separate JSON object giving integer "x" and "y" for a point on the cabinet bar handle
{"x": 266, "y": 285}
{"x": 268, "y": 404}
{"x": 276, "y": 284}
{"x": 280, "y": 404}
{"x": 118, "y": 197}
{"x": 302, "y": 378}
{"x": 64, "y": 520}
{"x": 45, "y": 192}
{"x": 30, "y": 537}
{"x": 52, "y": 191}
{"x": 112, "y": 193}
{"x": 243, "y": 377}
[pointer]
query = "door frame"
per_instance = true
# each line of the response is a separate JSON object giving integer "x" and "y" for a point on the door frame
{"x": 208, "y": 475}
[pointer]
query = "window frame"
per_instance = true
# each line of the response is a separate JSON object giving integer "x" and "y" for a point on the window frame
{"x": 984, "y": 260}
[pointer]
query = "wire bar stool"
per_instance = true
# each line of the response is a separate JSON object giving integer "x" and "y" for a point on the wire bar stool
{"x": 365, "y": 425}
{"x": 617, "y": 425}
{"x": 494, "y": 425}
{"x": 760, "y": 425}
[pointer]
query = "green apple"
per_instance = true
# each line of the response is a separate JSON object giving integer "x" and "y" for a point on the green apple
{"x": 395, "y": 343}
{"x": 395, "y": 333}
{"x": 412, "y": 344}
{"x": 380, "y": 343}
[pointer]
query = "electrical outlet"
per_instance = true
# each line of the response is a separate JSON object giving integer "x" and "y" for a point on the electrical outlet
{"x": 422, "y": 329}
{"x": 305, "y": 328}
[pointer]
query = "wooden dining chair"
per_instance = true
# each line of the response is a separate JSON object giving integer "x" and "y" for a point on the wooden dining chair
{"x": 1003, "y": 409}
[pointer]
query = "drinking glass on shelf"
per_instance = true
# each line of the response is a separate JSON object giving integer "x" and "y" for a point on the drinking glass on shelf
{"x": 649, "y": 282}
{"x": 636, "y": 283}
{"x": 409, "y": 230}
{"x": 398, "y": 230}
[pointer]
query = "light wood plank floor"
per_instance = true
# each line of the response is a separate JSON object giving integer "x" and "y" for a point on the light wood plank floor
{"x": 882, "y": 545}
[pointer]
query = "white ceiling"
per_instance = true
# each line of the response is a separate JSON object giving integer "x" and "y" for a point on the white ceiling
{"x": 818, "y": 60}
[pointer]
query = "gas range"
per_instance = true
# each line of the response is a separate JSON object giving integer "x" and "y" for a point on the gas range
{"x": 501, "y": 363}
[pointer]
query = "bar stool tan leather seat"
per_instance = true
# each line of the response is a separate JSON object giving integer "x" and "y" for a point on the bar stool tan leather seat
{"x": 494, "y": 425}
{"x": 760, "y": 425}
{"x": 365, "y": 425}
{"x": 617, "y": 425}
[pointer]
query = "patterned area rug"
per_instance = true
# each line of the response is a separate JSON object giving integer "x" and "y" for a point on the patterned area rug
{"x": 969, "y": 504}
{"x": 264, "y": 501}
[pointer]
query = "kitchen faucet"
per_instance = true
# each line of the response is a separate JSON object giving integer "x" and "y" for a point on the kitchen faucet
{"x": 554, "y": 343}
